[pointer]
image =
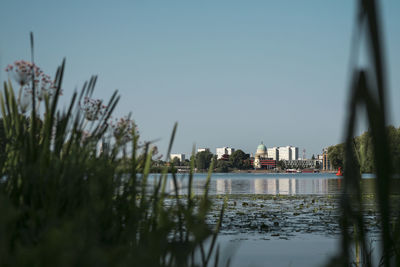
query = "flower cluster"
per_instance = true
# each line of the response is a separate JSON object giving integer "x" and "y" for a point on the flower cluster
{"x": 122, "y": 129}
{"x": 44, "y": 87}
{"x": 22, "y": 71}
{"x": 93, "y": 108}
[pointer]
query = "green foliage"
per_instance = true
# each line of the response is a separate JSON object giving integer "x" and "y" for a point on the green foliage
{"x": 364, "y": 150}
{"x": 176, "y": 161}
{"x": 203, "y": 160}
{"x": 368, "y": 91}
{"x": 65, "y": 203}
{"x": 222, "y": 166}
{"x": 336, "y": 155}
{"x": 238, "y": 160}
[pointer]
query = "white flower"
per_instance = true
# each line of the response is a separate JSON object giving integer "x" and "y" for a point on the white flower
{"x": 44, "y": 86}
{"x": 122, "y": 129}
{"x": 93, "y": 108}
{"x": 25, "y": 102}
{"x": 22, "y": 71}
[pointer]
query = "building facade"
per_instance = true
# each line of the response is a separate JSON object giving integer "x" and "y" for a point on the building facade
{"x": 181, "y": 157}
{"x": 326, "y": 164}
{"x": 262, "y": 160}
{"x": 295, "y": 152}
{"x": 203, "y": 149}
{"x": 221, "y": 151}
{"x": 300, "y": 164}
{"x": 285, "y": 153}
{"x": 288, "y": 153}
{"x": 273, "y": 153}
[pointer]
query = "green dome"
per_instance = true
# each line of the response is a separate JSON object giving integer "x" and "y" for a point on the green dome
{"x": 261, "y": 147}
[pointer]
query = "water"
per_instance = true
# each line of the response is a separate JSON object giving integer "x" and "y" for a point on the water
{"x": 291, "y": 244}
{"x": 267, "y": 183}
{"x": 248, "y": 250}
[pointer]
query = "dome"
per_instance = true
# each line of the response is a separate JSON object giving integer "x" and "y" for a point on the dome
{"x": 261, "y": 148}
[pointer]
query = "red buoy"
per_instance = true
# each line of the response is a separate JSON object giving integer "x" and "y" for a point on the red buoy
{"x": 339, "y": 173}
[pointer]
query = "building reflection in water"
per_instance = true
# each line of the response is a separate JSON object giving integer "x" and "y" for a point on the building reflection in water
{"x": 270, "y": 186}
{"x": 275, "y": 186}
{"x": 283, "y": 186}
{"x": 224, "y": 186}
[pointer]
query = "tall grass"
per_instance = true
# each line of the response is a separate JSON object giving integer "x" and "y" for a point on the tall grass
{"x": 65, "y": 203}
{"x": 368, "y": 90}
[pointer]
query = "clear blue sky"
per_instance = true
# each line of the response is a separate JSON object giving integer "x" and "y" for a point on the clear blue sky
{"x": 232, "y": 73}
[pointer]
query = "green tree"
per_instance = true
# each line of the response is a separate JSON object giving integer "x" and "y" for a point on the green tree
{"x": 176, "y": 161}
{"x": 336, "y": 155}
{"x": 237, "y": 159}
{"x": 222, "y": 166}
{"x": 203, "y": 160}
{"x": 394, "y": 144}
{"x": 364, "y": 147}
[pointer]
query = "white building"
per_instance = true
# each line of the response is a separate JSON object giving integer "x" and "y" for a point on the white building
{"x": 220, "y": 151}
{"x": 273, "y": 152}
{"x": 300, "y": 164}
{"x": 295, "y": 152}
{"x": 181, "y": 157}
{"x": 285, "y": 153}
{"x": 203, "y": 149}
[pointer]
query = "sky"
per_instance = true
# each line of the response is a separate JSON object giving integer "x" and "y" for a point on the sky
{"x": 231, "y": 73}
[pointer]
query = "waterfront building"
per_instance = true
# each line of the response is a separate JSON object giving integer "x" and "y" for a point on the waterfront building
{"x": 261, "y": 159}
{"x": 288, "y": 153}
{"x": 285, "y": 153}
{"x": 181, "y": 157}
{"x": 223, "y": 152}
{"x": 326, "y": 164}
{"x": 273, "y": 153}
{"x": 300, "y": 163}
{"x": 295, "y": 153}
{"x": 203, "y": 150}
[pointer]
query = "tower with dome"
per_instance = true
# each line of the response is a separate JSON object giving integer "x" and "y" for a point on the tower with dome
{"x": 261, "y": 154}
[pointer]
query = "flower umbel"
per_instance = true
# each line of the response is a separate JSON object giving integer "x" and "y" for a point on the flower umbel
{"x": 44, "y": 87}
{"x": 93, "y": 108}
{"x": 22, "y": 71}
{"x": 122, "y": 129}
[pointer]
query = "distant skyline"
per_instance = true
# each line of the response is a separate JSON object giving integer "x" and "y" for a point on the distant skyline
{"x": 232, "y": 73}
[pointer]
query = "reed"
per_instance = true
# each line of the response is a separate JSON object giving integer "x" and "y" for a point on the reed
{"x": 368, "y": 89}
{"x": 66, "y": 202}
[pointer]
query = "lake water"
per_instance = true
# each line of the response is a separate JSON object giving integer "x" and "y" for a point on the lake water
{"x": 290, "y": 248}
{"x": 267, "y": 183}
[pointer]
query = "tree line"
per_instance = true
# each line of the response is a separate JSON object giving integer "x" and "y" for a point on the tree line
{"x": 364, "y": 149}
{"x": 239, "y": 160}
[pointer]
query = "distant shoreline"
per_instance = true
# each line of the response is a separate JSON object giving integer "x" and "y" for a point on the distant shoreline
{"x": 255, "y": 171}
{"x": 271, "y": 171}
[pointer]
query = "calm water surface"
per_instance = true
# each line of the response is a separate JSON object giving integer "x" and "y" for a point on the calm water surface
{"x": 267, "y": 183}
{"x": 263, "y": 249}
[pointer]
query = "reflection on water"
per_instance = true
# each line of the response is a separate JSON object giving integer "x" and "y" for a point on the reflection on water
{"x": 286, "y": 186}
{"x": 270, "y": 184}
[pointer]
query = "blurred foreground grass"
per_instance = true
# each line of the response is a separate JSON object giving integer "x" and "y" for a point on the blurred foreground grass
{"x": 64, "y": 200}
